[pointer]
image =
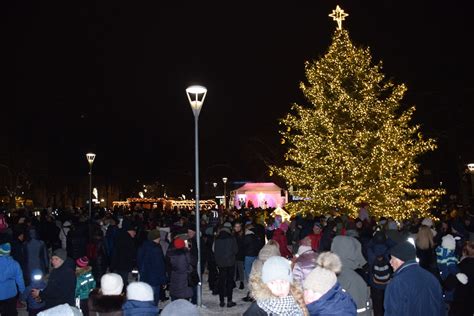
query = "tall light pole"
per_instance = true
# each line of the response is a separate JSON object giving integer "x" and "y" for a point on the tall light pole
{"x": 196, "y": 96}
{"x": 470, "y": 166}
{"x": 225, "y": 192}
{"x": 90, "y": 158}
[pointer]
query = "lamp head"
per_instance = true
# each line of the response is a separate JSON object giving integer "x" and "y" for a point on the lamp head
{"x": 196, "y": 96}
{"x": 90, "y": 158}
{"x": 224, "y": 180}
{"x": 470, "y": 166}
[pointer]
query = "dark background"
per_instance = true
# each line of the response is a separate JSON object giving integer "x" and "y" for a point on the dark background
{"x": 110, "y": 77}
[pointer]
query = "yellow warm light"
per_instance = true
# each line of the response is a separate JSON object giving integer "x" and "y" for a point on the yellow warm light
{"x": 353, "y": 143}
{"x": 338, "y": 15}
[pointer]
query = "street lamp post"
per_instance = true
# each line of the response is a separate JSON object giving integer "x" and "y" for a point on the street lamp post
{"x": 90, "y": 158}
{"x": 196, "y": 96}
{"x": 225, "y": 192}
{"x": 470, "y": 166}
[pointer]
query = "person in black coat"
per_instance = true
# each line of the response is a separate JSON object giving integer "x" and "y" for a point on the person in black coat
{"x": 179, "y": 268}
{"x": 151, "y": 263}
{"x": 125, "y": 253}
{"x": 464, "y": 288}
{"x": 61, "y": 288}
{"x": 225, "y": 249}
{"x": 76, "y": 241}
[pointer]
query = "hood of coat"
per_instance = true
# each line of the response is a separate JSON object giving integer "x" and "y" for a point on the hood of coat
{"x": 349, "y": 251}
{"x": 80, "y": 271}
{"x": 269, "y": 250}
{"x": 105, "y": 303}
{"x": 33, "y": 234}
{"x": 334, "y": 302}
{"x": 249, "y": 232}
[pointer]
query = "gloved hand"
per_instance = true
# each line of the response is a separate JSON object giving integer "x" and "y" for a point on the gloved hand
{"x": 462, "y": 278}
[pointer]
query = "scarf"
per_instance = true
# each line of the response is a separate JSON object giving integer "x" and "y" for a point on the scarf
{"x": 286, "y": 306}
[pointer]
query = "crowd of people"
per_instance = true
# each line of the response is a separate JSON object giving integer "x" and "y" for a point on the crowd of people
{"x": 126, "y": 263}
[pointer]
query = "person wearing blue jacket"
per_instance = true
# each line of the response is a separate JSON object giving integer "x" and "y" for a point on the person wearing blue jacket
{"x": 11, "y": 278}
{"x": 34, "y": 306}
{"x": 36, "y": 253}
{"x": 323, "y": 294}
{"x": 413, "y": 290}
{"x": 151, "y": 263}
{"x": 139, "y": 300}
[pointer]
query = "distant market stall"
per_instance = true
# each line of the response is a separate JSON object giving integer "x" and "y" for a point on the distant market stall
{"x": 162, "y": 204}
{"x": 259, "y": 194}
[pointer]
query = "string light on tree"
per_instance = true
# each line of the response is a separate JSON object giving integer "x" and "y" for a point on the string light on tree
{"x": 353, "y": 143}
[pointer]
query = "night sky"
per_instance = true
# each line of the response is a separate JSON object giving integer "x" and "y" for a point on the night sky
{"x": 110, "y": 77}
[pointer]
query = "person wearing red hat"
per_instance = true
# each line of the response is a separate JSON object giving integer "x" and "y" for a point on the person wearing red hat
{"x": 85, "y": 283}
{"x": 179, "y": 259}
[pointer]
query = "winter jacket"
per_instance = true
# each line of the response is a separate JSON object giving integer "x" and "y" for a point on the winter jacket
{"x": 76, "y": 242}
{"x": 240, "y": 245}
{"x": 64, "y": 230}
{"x": 315, "y": 240}
{"x": 225, "y": 249}
{"x": 139, "y": 308}
{"x": 164, "y": 242}
{"x": 105, "y": 305}
{"x": 447, "y": 265}
{"x": 335, "y": 302}
{"x": 151, "y": 263}
{"x": 427, "y": 259}
{"x": 30, "y": 301}
{"x": 85, "y": 283}
{"x": 251, "y": 244}
{"x": 125, "y": 253}
{"x": 305, "y": 263}
{"x": 326, "y": 238}
{"x": 280, "y": 238}
{"x": 179, "y": 261}
{"x": 100, "y": 261}
{"x": 18, "y": 253}
{"x": 36, "y": 254}
{"x": 462, "y": 292}
{"x": 413, "y": 291}
{"x": 109, "y": 239}
{"x": 375, "y": 250}
{"x": 349, "y": 251}
{"x": 61, "y": 288}
{"x": 10, "y": 277}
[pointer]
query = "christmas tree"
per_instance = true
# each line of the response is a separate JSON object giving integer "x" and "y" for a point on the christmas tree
{"x": 353, "y": 143}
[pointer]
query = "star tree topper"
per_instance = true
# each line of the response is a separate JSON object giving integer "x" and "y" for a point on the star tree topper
{"x": 338, "y": 15}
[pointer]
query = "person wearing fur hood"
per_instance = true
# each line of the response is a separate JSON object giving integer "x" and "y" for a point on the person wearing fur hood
{"x": 108, "y": 300}
{"x": 274, "y": 291}
{"x": 323, "y": 294}
{"x": 349, "y": 251}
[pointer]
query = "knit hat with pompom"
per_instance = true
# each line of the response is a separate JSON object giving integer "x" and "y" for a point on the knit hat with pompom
{"x": 323, "y": 277}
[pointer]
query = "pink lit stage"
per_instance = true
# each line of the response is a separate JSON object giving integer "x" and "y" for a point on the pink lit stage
{"x": 263, "y": 194}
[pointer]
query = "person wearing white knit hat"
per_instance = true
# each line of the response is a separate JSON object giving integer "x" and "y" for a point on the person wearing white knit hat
{"x": 108, "y": 299}
{"x": 140, "y": 300}
{"x": 322, "y": 293}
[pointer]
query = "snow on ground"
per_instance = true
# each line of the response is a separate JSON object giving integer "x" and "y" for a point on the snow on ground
{"x": 210, "y": 302}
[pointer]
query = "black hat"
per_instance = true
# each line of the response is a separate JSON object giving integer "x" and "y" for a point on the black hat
{"x": 129, "y": 225}
{"x": 405, "y": 251}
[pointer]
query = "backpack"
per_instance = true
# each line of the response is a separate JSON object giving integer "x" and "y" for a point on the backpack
{"x": 381, "y": 270}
